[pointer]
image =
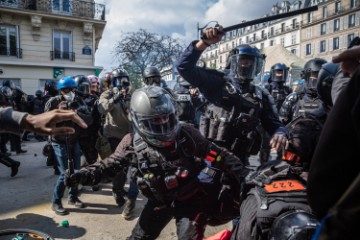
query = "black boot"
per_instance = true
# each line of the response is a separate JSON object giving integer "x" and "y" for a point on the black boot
{"x": 15, "y": 168}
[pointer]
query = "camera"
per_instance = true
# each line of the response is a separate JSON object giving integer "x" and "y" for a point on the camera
{"x": 73, "y": 105}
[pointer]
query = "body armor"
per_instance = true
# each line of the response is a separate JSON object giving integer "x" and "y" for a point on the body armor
{"x": 309, "y": 107}
{"x": 183, "y": 99}
{"x": 279, "y": 94}
{"x": 233, "y": 122}
{"x": 168, "y": 174}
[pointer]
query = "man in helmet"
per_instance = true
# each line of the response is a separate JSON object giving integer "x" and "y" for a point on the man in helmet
{"x": 94, "y": 80}
{"x": 88, "y": 137}
{"x": 278, "y": 90}
{"x": 236, "y": 106}
{"x": 113, "y": 104}
{"x": 161, "y": 154}
{"x": 5, "y": 101}
{"x": 38, "y": 107}
{"x": 62, "y": 144}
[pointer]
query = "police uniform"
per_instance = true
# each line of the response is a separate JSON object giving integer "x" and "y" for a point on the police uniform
{"x": 235, "y": 110}
{"x": 175, "y": 181}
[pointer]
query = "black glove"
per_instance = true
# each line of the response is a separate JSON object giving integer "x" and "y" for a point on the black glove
{"x": 71, "y": 180}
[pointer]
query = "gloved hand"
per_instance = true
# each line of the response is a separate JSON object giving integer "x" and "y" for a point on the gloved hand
{"x": 71, "y": 180}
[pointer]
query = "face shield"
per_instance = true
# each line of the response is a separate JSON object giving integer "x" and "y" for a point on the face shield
{"x": 245, "y": 67}
{"x": 279, "y": 75}
{"x": 311, "y": 80}
{"x": 84, "y": 88}
{"x": 153, "y": 81}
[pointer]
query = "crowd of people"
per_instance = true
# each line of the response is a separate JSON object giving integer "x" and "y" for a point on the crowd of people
{"x": 187, "y": 149}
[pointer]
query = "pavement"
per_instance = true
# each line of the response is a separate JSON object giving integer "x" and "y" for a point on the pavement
{"x": 26, "y": 201}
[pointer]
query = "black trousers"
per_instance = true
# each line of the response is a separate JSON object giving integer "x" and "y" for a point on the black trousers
{"x": 154, "y": 218}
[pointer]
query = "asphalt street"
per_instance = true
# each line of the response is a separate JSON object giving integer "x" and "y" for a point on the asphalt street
{"x": 26, "y": 202}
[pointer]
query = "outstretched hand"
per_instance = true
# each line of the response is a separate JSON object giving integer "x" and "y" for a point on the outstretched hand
{"x": 45, "y": 123}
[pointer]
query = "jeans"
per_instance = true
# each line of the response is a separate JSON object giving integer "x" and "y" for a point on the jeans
{"x": 61, "y": 155}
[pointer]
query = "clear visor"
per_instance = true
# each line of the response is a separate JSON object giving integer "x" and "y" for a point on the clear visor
{"x": 279, "y": 75}
{"x": 85, "y": 88}
{"x": 312, "y": 80}
{"x": 244, "y": 66}
{"x": 158, "y": 126}
{"x": 153, "y": 81}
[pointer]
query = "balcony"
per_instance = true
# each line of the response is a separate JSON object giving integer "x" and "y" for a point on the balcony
{"x": 11, "y": 52}
{"x": 57, "y": 55}
{"x": 73, "y": 8}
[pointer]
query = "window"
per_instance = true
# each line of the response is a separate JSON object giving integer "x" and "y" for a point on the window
{"x": 308, "y": 49}
{"x": 283, "y": 27}
{"x": 262, "y": 34}
{"x": 9, "y": 41}
{"x": 322, "y": 46}
{"x": 336, "y": 43}
{"x": 62, "y": 46}
{"x": 272, "y": 31}
{"x": 261, "y": 45}
{"x": 293, "y": 51}
{"x": 282, "y": 41}
{"x": 353, "y": 3}
{"x": 247, "y": 39}
{"x": 323, "y": 29}
{"x": 309, "y": 17}
{"x": 294, "y": 23}
{"x": 324, "y": 12}
{"x": 271, "y": 42}
{"x": 293, "y": 38}
{"x": 61, "y": 6}
{"x": 254, "y": 37}
{"x": 336, "y": 24}
{"x": 337, "y": 7}
{"x": 221, "y": 59}
{"x": 352, "y": 20}
{"x": 350, "y": 38}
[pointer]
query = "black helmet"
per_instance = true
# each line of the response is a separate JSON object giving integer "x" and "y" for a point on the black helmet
{"x": 294, "y": 225}
{"x": 153, "y": 115}
{"x": 51, "y": 87}
{"x": 9, "y": 83}
{"x": 279, "y": 72}
{"x": 151, "y": 76}
{"x": 245, "y": 63}
{"x": 311, "y": 71}
{"x": 5, "y": 95}
{"x": 83, "y": 84}
{"x": 325, "y": 79}
{"x": 39, "y": 93}
{"x": 120, "y": 78}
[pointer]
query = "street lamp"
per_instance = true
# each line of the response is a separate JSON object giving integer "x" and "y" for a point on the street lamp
{"x": 200, "y": 29}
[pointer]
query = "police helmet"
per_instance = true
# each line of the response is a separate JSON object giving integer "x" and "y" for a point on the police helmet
{"x": 311, "y": 71}
{"x": 294, "y": 225}
{"x": 5, "y": 95}
{"x": 151, "y": 76}
{"x": 9, "y": 83}
{"x": 120, "y": 78}
{"x": 153, "y": 114}
{"x": 94, "y": 80}
{"x": 279, "y": 72}
{"x": 325, "y": 79}
{"x": 66, "y": 82}
{"x": 83, "y": 84}
{"x": 51, "y": 87}
{"x": 245, "y": 63}
{"x": 39, "y": 93}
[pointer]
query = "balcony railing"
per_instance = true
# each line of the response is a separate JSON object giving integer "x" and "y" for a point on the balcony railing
{"x": 11, "y": 52}
{"x": 57, "y": 55}
{"x": 74, "y": 8}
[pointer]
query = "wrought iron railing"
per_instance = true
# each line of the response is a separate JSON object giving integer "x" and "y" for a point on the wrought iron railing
{"x": 57, "y": 55}
{"x": 73, "y": 8}
{"x": 11, "y": 52}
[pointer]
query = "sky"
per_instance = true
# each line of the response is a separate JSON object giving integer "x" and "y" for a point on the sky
{"x": 175, "y": 18}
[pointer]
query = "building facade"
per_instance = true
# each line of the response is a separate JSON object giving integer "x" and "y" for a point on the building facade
{"x": 323, "y": 33}
{"x": 48, "y": 39}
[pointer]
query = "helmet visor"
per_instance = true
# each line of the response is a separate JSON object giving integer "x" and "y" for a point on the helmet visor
{"x": 153, "y": 81}
{"x": 245, "y": 66}
{"x": 311, "y": 81}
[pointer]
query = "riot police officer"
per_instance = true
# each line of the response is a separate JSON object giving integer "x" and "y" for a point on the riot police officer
{"x": 279, "y": 91}
{"x": 237, "y": 106}
{"x": 304, "y": 113}
{"x": 161, "y": 154}
{"x": 88, "y": 137}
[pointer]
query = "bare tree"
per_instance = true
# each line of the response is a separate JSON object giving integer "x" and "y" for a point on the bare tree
{"x": 141, "y": 49}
